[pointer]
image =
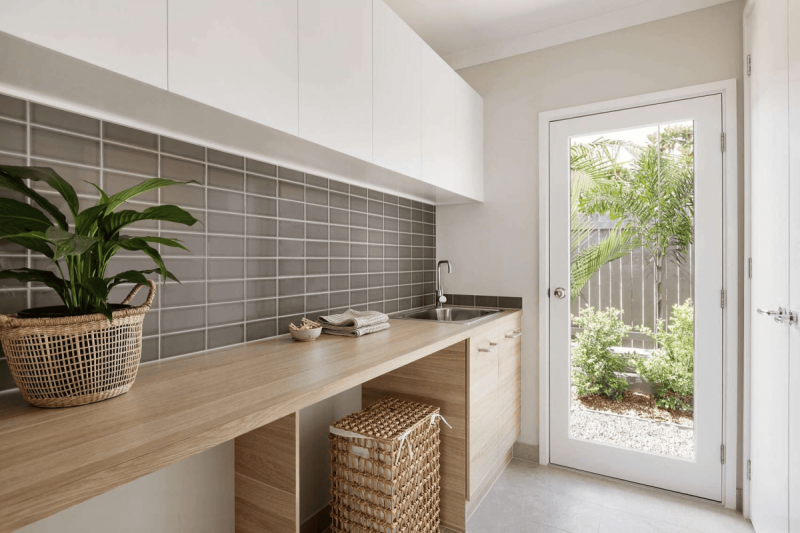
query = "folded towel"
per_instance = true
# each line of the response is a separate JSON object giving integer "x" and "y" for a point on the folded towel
{"x": 353, "y": 319}
{"x": 354, "y": 323}
{"x": 357, "y": 332}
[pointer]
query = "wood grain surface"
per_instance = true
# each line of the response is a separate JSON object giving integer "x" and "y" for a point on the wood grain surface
{"x": 439, "y": 379}
{"x": 53, "y": 459}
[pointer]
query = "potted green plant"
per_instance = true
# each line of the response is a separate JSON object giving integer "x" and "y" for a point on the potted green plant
{"x": 88, "y": 349}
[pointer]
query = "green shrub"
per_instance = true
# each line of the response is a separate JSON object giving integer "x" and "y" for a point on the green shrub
{"x": 595, "y": 366}
{"x": 671, "y": 367}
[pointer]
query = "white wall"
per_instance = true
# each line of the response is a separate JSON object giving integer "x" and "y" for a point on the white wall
{"x": 194, "y": 495}
{"x": 315, "y": 469}
{"x": 494, "y": 246}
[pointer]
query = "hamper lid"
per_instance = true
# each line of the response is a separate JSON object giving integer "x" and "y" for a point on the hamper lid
{"x": 386, "y": 419}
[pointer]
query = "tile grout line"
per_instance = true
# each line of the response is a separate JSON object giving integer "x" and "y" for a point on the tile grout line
{"x": 28, "y": 254}
{"x": 244, "y": 281}
{"x": 163, "y": 281}
{"x": 205, "y": 232}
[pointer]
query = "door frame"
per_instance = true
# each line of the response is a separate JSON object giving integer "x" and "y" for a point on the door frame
{"x": 746, "y": 296}
{"x": 731, "y": 265}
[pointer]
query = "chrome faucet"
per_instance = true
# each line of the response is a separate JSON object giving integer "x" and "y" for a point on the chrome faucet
{"x": 440, "y": 298}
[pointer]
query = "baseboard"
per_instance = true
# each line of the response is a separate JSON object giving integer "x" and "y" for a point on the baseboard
{"x": 319, "y": 522}
{"x": 526, "y": 452}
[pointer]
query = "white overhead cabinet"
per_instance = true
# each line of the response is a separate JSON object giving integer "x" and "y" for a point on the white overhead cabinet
{"x": 397, "y": 137}
{"x": 469, "y": 141}
{"x": 125, "y": 36}
{"x": 348, "y": 75}
{"x": 239, "y": 56}
{"x": 438, "y": 129}
{"x": 336, "y": 75}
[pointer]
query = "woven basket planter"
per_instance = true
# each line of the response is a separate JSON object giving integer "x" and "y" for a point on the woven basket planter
{"x": 385, "y": 469}
{"x": 68, "y": 361}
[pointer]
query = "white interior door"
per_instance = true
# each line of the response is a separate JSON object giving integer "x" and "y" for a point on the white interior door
{"x": 699, "y": 471}
{"x": 775, "y": 365}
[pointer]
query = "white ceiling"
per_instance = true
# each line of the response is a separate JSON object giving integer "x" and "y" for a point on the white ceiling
{"x": 469, "y": 32}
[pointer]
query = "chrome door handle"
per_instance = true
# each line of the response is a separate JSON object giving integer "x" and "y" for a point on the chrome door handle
{"x": 560, "y": 293}
{"x": 514, "y": 334}
{"x": 492, "y": 347}
{"x": 780, "y": 315}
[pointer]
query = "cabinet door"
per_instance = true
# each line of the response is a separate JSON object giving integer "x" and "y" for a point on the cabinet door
{"x": 510, "y": 383}
{"x": 469, "y": 141}
{"x": 336, "y": 75}
{"x": 125, "y": 36}
{"x": 438, "y": 89}
{"x": 239, "y": 56}
{"x": 483, "y": 408}
{"x": 396, "y": 81}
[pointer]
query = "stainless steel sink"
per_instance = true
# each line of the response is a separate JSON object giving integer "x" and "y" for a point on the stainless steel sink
{"x": 460, "y": 315}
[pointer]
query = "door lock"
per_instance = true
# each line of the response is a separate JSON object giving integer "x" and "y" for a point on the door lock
{"x": 780, "y": 315}
{"x": 560, "y": 293}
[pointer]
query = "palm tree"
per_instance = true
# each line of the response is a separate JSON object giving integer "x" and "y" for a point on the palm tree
{"x": 651, "y": 198}
{"x": 593, "y": 165}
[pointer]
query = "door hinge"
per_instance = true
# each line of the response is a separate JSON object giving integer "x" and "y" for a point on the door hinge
{"x": 750, "y": 268}
{"x": 722, "y": 453}
{"x": 722, "y": 298}
{"x": 748, "y": 470}
{"x": 722, "y": 142}
{"x": 749, "y": 64}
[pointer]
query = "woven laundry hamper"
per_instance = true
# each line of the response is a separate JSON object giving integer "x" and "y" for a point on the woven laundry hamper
{"x": 75, "y": 360}
{"x": 385, "y": 469}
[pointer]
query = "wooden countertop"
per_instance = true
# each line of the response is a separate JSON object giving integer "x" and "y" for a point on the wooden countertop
{"x": 51, "y": 459}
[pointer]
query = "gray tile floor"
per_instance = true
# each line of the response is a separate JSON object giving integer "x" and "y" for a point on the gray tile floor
{"x": 545, "y": 499}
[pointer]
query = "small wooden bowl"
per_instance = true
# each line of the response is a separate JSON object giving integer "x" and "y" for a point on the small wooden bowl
{"x": 306, "y": 335}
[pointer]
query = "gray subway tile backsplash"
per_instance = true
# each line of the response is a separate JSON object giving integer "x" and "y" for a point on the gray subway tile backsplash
{"x": 225, "y": 336}
{"x": 13, "y": 136}
{"x": 225, "y": 178}
{"x": 259, "y": 167}
{"x": 13, "y": 108}
{"x": 225, "y": 159}
{"x": 182, "y": 148}
{"x": 64, "y": 147}
{"x": 64, "y": 120}
{"x": 274, "y": 244}
{"x": 503, "y": 302}
{"x": 125, "y": 135}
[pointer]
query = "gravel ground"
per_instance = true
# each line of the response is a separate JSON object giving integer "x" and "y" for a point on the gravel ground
{"x": 655, "y": 437}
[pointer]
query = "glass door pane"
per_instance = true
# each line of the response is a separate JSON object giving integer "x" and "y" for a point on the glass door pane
{"x": 632, "y": 287}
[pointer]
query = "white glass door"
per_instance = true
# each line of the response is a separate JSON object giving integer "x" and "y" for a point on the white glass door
{"x": 636, "y": 263}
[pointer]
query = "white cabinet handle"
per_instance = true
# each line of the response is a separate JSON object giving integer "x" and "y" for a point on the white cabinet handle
{"x": 514, "y": 334}
{"x": 492, "y": 347}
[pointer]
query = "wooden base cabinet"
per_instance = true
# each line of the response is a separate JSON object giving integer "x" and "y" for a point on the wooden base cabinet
{"x": 495, "y": 378}
{"x": 477, "y": 384}
{"x": 439, "y": 379}
{"x": 510, "y": 382}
